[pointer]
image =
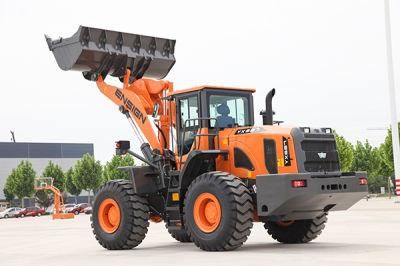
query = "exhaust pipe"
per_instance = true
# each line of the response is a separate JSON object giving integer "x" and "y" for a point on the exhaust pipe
{"x": 268, "y": 114}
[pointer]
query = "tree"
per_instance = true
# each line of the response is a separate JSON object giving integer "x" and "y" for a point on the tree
{"x": 8, "y": 195}
{"x": 55, "y": 171}
{"x": 44, "y": 198}
{"x": 387, "y": 162}
{"x": 87, "y": 173}
{"x": 69, "y": 183}
{"x": 367, "y": 158}
{"x": 21, "y": 180}
{"x": 9, "y": 186}
{"x": 111, "y": 170}
{"x": 346, "y": 152}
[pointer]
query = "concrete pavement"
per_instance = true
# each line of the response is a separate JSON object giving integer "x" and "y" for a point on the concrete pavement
{"x": 367, "y": 234}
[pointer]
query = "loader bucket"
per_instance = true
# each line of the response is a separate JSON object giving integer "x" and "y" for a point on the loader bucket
{"x": 97, "y": 52}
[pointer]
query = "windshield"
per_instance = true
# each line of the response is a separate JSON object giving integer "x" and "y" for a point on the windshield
{"x": 229, "y": 110}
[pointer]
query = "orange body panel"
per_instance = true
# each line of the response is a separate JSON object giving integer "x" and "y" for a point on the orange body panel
{"x": 252, "y": 145}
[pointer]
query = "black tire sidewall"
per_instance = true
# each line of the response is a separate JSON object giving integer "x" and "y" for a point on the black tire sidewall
{"x": 227, "y": 216}
{"x": 123, "y": 230}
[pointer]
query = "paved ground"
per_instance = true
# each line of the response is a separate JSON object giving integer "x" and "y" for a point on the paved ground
{"x": 368, "y": 234}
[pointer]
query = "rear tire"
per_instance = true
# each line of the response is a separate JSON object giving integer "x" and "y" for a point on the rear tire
{"x": 180, "y": 235}
{"x": 228, "y": 211}
{"x": 133, "y": 216}
{"x": 300, "y": 231}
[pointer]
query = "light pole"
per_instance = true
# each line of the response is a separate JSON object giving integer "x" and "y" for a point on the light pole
{"x": 392, "y": 96}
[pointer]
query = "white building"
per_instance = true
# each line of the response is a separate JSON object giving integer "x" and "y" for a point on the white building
{"x": 39, "y": 154}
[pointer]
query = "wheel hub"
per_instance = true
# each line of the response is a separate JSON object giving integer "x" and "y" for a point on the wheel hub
{"x": 207, "y": 212}
{"x": 109, "y": 215}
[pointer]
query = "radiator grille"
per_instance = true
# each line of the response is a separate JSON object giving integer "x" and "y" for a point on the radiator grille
{"x": 320, "y": 153}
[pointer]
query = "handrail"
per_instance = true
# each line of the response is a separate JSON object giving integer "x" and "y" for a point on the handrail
{"x": 200, "y": 120}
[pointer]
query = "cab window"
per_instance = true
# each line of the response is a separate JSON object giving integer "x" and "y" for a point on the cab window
{"x": 189, "y": 109}
{"x": 229, "y": 110}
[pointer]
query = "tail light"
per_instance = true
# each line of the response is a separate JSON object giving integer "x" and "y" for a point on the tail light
{"x": 299, "y": 183}
{"x": 363, "y": 181}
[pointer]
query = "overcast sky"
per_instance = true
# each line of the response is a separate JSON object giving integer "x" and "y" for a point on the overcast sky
{"x": 326, "y": 59}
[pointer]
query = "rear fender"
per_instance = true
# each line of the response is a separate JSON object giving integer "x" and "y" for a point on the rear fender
{"x": 144, "y": 179}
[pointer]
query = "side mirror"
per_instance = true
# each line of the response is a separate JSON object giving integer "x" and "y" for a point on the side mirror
{"x": 122, "y": 147}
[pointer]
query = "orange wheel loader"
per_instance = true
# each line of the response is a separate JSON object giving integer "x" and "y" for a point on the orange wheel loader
{"x": 209, "y": 172}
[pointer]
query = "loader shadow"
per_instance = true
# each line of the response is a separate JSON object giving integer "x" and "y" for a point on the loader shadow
{"x": 167, "y": 247}
{"x": 265, "y": 248}
{"x": 313, "y": 247}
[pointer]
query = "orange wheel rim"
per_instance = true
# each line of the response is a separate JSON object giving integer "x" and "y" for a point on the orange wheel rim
{"x": 207, "y": 212}
{"x": 109, "y": 215}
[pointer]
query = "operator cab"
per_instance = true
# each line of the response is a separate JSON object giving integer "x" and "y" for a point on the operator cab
{"x": 214, "y": 108}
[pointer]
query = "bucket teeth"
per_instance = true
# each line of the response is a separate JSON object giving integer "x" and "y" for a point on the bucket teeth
{"x": 97, "y": 52}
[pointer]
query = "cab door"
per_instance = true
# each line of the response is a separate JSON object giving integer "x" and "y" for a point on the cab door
{"x": 187, "y": 123}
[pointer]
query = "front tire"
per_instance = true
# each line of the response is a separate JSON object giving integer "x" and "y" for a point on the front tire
{"x": 120, "y": 217}
{"x": 218, "y": 212}
{"x": 299, "y": 231}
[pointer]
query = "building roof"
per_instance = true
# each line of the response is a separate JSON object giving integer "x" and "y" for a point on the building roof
{"x": 44, "y": 150}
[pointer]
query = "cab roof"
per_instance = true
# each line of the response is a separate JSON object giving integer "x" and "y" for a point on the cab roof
{"x": 209, "y": 87}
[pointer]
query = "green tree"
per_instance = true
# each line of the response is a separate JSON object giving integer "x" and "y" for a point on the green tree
{"x": 87, "y": 173}
{"x": 44, "y": 198}
{"x": 387, "y": 162}
{"x": 367, "y": 158}
{"x": 22, "y": 180}
{"x": 111, "y": 170}
{"x": 9, "y": 185}
{"x": 346, "y": 152}
{"x": 69, "y": 183}
{"x": 7, "y": 194}
{"x": 55, "y": 171}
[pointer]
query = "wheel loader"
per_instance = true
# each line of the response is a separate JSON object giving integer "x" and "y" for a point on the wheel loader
{"x": 208, "y": 171}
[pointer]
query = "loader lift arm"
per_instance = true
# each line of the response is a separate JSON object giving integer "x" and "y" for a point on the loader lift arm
{"x": 140, "y": 98}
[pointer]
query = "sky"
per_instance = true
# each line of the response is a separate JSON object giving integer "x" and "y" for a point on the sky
{"x": 326, "y": 60}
